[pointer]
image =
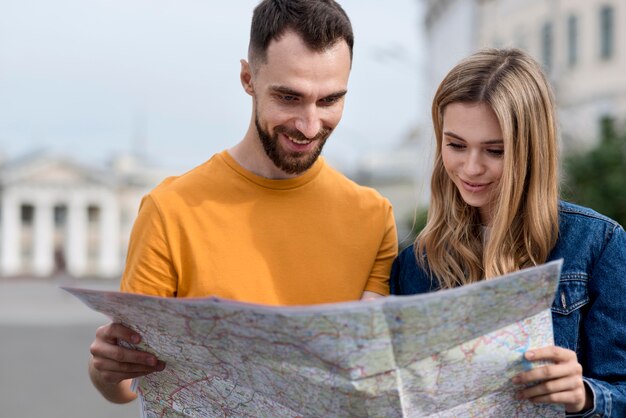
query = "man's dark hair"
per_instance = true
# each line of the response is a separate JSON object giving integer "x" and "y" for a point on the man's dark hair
{"x": 320, "y": 24}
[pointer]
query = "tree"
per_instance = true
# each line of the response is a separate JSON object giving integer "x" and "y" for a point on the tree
{"x": 597, "y": 178}
{"x": 416, "y": 223}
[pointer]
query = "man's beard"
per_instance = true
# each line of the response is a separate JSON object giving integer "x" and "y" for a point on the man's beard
{"x": 291, "y": 162}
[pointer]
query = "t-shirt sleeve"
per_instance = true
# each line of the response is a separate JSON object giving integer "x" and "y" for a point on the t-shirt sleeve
{"x": 378, "y": 281}
{"x": 149, "y": 268}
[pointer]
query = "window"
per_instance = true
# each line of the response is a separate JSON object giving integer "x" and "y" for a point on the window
{"x": 607, "y": 127}
{"x": 93, "y": 214}
{"x": 546, "y": 46}
{"x": 607, "y": 29}
{"x": 60, "y": 216}
{"x": 27, "y": 214}
{"x": 572, "y": 40}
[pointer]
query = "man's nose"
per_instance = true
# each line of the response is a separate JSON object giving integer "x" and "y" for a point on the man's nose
{"x": 308, "y": 123}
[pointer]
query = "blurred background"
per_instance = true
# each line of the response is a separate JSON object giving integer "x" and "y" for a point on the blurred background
{"x": 100, "y": 100}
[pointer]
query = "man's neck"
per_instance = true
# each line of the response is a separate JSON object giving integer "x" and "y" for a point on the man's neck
{"x": 250, "y": 155}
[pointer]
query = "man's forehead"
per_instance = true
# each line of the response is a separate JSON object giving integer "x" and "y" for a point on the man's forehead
{"x": 290, "y": 43}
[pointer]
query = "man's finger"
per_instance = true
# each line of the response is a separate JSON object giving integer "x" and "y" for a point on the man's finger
{"x": 115, "y": 332}
{"x": 106, "y": 365}
{"x": 122, "y": 354}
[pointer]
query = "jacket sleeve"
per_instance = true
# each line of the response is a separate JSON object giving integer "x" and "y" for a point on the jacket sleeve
{"x": 603, "y": 339}
{"x": 408, "y": 278}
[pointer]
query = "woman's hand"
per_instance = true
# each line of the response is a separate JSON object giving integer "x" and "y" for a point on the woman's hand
{"x": 560, "y": 382}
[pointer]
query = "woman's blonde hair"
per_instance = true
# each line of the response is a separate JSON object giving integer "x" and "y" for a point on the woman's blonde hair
{"x": 524, "y": 224}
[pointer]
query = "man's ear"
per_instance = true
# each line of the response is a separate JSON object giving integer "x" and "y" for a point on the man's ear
{"x": 246, "y": 77}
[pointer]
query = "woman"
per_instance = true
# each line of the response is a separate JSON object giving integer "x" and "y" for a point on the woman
{"x": 495, "y": 209}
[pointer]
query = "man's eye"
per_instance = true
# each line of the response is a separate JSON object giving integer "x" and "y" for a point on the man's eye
{"x": 329, "y": 100}
{"x": 288, "y": 98}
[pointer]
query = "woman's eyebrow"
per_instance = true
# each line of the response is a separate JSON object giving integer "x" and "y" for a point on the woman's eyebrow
{"x": 460, "y": 138}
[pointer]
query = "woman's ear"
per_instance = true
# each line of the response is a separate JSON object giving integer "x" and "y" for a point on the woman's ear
{"x": 246, "y": 77}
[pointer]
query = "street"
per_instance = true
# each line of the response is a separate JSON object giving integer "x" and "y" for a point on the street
{"x": 45, "y": 335}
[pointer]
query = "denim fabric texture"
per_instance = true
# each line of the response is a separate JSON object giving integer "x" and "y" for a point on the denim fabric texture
{"x": 589, "y": 308}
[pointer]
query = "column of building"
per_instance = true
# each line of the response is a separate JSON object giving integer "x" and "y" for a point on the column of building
{"x": 11, "y": 263}
{"x": 76, "y": 241}
{"x": 43, "y": 236}
{"x": 108, "y": 264}
{"x": 10, "y": 242}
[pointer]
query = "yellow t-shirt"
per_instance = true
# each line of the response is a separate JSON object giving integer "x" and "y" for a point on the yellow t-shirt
{"x": 220, "y": 230}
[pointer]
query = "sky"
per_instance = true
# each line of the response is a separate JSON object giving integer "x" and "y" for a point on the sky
{"x": 98, "y": 78}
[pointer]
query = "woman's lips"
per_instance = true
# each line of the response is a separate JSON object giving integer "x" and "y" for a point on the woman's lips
{"x": 474, "y": 187}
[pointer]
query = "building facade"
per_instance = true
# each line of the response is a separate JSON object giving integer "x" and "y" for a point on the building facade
{"x": 400, "y": 173}
{"x": 58, "y": 216}
{"x": 580, "y": 43}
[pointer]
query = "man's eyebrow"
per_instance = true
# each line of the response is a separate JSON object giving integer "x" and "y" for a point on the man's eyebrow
{"x": 337, "y": 95}
{"x": 285, "y": 90}
{"x": 291, "y": 92}
{"x": 460, "y": 138}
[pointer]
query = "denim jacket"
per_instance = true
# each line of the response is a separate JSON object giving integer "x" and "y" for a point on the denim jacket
{"x": 589, "y": 309}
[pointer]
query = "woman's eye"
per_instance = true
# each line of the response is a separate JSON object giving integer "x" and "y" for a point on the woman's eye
{"x": 496, "y": 152}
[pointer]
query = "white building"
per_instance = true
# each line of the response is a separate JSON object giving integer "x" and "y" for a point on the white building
{"x": 577, "y": 41}
{"x": 400, "y": 173}
{"x": 61, "y": 217}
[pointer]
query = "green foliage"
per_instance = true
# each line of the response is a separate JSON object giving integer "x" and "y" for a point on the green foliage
{"x": 597, "y": 178}
{"x": 417, "y": 222}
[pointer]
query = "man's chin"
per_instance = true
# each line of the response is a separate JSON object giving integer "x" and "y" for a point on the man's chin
{"x": 290, "y": 161}
{"x": 297, "y": 164}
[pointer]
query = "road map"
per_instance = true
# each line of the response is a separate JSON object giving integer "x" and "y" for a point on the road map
{"x": 450, "y": 353}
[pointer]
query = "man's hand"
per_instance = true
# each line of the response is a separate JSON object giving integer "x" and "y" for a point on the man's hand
{"x": 111, "y": 366}
{"x": 561, "y": 382}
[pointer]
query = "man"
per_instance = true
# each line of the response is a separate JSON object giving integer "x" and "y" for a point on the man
{"x": 266, "y": 221}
